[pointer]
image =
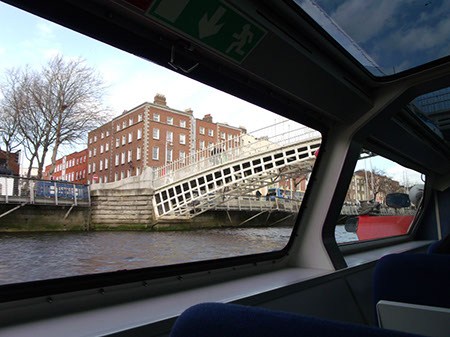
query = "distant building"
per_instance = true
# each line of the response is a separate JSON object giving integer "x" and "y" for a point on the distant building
{"x": 11, "y": 168}
{"x": 366, "y": 185}
{"x": 33, "y": 174}
{"x": 69, "y": 168}
{"x": 150, "y": 135}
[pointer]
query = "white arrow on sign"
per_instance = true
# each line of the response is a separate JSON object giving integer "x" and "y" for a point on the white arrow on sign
{"x": 210, "y": 27}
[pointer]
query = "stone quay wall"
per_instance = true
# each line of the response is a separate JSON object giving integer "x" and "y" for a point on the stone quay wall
{"x": 121, "y": 209}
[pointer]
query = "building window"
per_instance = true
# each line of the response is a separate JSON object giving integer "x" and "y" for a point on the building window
{"x": 84, "y": 173}
{"x": 139, "y": 134}
{"x": 106, "y": 147}
{"x": 202, "y": 130}
{"x": 107, "y": 133}
{"x": 93, "y": 167}
{"x": 170, "y": 120}
{"x": 90, "y": 140}
{"x": 100, "y": 166}
{"x": 106, "y": 163}
{"x": 138, "y": 153}
{"x": 95, "y": 139}
{"x": 222, "y": 135}
{"x": 182, "y": 139}
{"x": 155, "y": 153}
{"x": 122, "y": 175}
{"x": 124, "y": 124}
{"x": 95, "y": 151}
{"x": 169, "y": 136}
{"x": 117, "y": 160}
{"x": 90, "y": 153}
{"x": 202, "y": 144}
{"x": 182, "y": 123}
{"x": 140, "y": 118}
{"x": 123, "y": 157}
{"x": 230, "y": 137}
{"x": 210, "y": 132}
{"x": 210, "y": 144}
{"x": 169, "y": 155}
{"x": 118, "y": 127}
{"x": 130, "y": 121}
{"x": 182, "y": 157}
{"x": 106, "y": 179}
{"x": 124, "y": 139}
{"x": 156, "y": 117}
{"x": 130, "y": 137}
{"x": 102, "y": 135}
{"x": 155, "y": 133}
{"x": 101, "y": 149}
{"x": 116, "y": 176}
{"x": 117, "y": 142}
{"x": 130, "y": 155}
{"x": 129, "y": 173}
{"x": 138, "y": 170}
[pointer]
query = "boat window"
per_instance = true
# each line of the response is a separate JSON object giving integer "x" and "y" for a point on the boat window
{"x": 238, "y": 196}
{"x": 434, "y": 110}
{"x": 386, "y": 37}
{"x": 381, "y": 201}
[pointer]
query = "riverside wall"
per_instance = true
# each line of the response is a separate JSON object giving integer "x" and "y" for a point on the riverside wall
{"x": 34, "y": 218}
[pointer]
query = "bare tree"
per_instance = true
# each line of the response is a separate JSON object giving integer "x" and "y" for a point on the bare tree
{"x": 55, "y": 106}
{"x": 9, "y": 121}
{"x": 75, "y": 94}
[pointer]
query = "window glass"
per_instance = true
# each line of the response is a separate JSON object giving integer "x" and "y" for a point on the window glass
{"x": 381, "y": 201}
{"x": 265, "y": 193}
{"x": 155, "y": 133}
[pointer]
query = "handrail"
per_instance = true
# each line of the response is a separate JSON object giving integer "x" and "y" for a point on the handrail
{"x": 14, "y": 190}
{"x": 241, "y": 146}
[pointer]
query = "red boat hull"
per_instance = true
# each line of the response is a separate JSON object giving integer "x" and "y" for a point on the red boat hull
{"x": 376, "y": 227}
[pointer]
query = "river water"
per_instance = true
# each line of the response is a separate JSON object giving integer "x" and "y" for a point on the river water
{"x": 37, "y": 256}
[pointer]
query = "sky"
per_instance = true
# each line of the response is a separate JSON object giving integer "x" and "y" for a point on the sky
{"x": 386, "y": 36}
{"x": 29, "y": 40}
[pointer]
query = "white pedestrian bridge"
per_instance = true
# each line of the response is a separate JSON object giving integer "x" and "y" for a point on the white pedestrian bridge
{"x": 233, "y": 167}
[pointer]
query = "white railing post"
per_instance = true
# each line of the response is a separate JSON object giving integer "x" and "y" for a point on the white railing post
{"x": 31, "y": 184}
{"x": 56, "y": 193}
{"x": 6, "y": 190}
{"x": 74, "y": 195}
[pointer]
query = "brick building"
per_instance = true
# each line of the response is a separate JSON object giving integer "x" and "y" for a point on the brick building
{"x": 9, "y": 162}
{"x": 366, "y": 185}
{"x": 149, "y": 135}
{"x": 70, "y": 168}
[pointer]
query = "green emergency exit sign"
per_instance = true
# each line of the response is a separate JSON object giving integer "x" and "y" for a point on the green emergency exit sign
{"x": 212, "y": 23}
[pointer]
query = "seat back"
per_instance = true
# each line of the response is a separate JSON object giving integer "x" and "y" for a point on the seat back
{"x": 225, "y": 320}
{"x": 413, "y": 278}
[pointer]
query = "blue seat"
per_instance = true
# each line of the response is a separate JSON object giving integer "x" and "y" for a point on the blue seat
{"x": 432, "y": 249}
{"x": 413, "y": 278}
{"x": 227, "y": 320}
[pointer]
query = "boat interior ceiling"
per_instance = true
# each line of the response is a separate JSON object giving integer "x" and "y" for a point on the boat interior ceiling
{"x": 297, "y": 68}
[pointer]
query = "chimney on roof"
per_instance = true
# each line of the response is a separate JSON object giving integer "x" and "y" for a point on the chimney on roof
{"x": 124, "y": 112}
{"x": 208, "y": 118}
{"x": 160, "y": 99}
{"x": 243, "y": 129}
{"x": 189, "y": 111}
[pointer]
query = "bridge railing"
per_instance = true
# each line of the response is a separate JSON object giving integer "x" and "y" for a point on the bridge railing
{"x": 254, "y": 203}
{"x": 20, "y": 190}
{"x": 241, "y": 146}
